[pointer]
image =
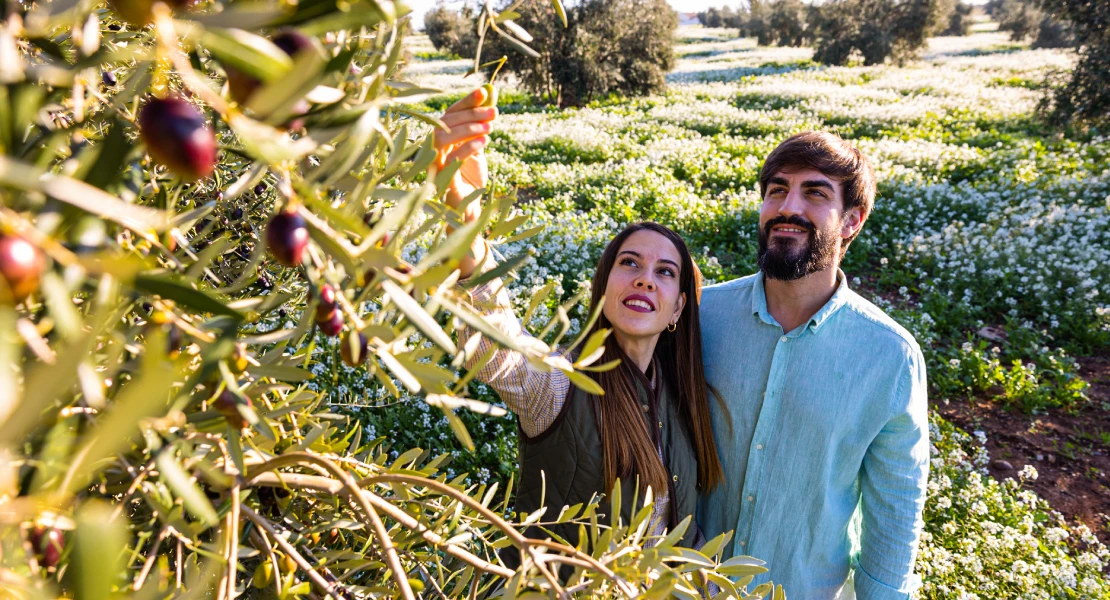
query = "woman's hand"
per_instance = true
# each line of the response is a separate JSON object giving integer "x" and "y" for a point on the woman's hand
{"x": 470, "y": 125}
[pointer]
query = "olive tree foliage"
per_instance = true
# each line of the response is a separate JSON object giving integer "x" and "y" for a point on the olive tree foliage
{"x": 787, "y": 23}
{"x": 1083, "y": 95}
{"x": 874, "y": 31}
{"x": 452, "y": 31}
{"x": 200, "y": 211}
{"x": 771, "y": 22}
{"x": 1079, "y": 96}
{"x": 725, "y": 16}
{"x": 1019, "y": 18}
{"x": 607, "y": 47}
{"x": 959, "y": 19}
{"x": 1026, "y": 20}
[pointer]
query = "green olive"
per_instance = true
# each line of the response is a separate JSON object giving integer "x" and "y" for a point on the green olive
{"x": 237, "y": 362}
{"x": 263, "y": 574}
{"x": 491, "y": 95}
{"x": 287, "y": 564}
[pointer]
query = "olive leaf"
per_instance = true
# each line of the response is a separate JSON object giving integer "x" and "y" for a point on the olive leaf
{"x": 182, "y": 292}
{"x": 252, "y": 54}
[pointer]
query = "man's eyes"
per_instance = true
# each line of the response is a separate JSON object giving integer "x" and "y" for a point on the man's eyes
{"x": 813, "y": 191}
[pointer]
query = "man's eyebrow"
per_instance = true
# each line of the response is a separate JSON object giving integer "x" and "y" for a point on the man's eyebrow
{"x": 780, "y": 181}
{"x": 821, "y": 183}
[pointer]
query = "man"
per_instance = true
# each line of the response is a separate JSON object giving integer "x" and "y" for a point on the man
{"x": 825, "y": 442}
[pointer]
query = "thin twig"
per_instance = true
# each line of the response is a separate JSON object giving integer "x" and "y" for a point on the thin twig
{"x": 392, "y": 559}
{"x": 326, "y": 484}
{"x": 233, "y": 543}
{"x": 431, "y": 580}
{"x": 259, "y": 539}
{"x": 519, "y": 539}
{"x": 515, "y": 536}
{"x": 178, "y": 563}
{"x": 329, "y": 588}
{"x": 152, "y": 555}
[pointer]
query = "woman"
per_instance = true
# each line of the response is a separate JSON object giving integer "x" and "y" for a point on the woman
{"x": 651, "y": 426}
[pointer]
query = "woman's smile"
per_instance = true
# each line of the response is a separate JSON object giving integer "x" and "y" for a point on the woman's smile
{"x": 639, "y": 303}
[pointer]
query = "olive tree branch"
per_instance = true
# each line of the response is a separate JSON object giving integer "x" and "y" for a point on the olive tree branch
{"x": 392, "y": 559}
{"x": 328, "y": 587}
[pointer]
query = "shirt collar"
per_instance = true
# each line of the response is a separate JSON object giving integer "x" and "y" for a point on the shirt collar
{"x": 839, "y": 299}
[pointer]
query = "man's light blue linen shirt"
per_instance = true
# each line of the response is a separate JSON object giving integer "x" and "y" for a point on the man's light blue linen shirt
{"x": 826, "y": 420}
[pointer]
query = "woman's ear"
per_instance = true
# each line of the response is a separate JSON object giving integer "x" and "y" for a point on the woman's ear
{"x": 681, "y": 304}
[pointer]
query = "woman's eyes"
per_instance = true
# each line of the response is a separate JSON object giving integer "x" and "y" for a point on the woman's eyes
{"x": 629, "y": 262}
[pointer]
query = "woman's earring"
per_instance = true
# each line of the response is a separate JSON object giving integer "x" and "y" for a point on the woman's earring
{"x": 672, "y": 327}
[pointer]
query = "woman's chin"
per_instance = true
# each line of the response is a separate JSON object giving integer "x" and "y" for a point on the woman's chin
{"x": 634, "y": 330}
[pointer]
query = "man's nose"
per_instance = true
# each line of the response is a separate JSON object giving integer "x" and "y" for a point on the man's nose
{"x": 794, "y": 204}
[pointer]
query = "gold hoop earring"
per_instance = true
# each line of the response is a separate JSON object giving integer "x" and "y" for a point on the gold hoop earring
{"x": 672, "y": 327}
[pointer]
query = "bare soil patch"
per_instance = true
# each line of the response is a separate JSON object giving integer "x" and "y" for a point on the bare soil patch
{"x": 1071, "y": 452}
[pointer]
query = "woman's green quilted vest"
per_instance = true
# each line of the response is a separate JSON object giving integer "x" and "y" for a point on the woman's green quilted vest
{"x": 567, "y": 459}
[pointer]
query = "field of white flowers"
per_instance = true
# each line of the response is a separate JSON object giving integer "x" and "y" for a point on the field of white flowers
{"x": 984, "y": 219}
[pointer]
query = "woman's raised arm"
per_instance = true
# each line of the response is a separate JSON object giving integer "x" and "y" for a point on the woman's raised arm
{"x": 470, "y": 124}
{"x": 535, "y": 396}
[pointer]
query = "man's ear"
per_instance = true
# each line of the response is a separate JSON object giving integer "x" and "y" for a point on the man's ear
{"x": 678, "y": 307}
{"x": 852, "y": 222}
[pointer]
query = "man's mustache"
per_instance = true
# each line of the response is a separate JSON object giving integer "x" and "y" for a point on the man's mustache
{"x": 794, "y": 220}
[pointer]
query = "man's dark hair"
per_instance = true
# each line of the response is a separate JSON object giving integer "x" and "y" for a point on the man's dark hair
{"x": 831, "y": 155}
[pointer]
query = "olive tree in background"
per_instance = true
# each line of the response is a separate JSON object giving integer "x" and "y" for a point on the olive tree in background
{"x": 958, "y": 21}
{"x": 1080, "y": 96}
{"x": 1029, "y": 20}
{"x": 714, "y": 17}
{"x": 452, "y": 31}
{"x": 788, "y": 24}
{"x": 874, "y": 31}
{"x": 607, "y": 47}
{"x": 1083, "y": 96}
{"x": 203, "y": 214}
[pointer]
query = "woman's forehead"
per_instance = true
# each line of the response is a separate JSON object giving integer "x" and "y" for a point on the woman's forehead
{"x": 651, "y": 245}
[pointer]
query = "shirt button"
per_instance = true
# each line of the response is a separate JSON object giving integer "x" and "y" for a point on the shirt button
{"x": 644, "y": 407}
{"x": 759, "y": 446}
{"x": 660, "y": 424}
{"x": 675, "y": 478}
{"x": 783, "y": 339}
{"x": 751, "y": 498}
{"x": 743, "y": 543}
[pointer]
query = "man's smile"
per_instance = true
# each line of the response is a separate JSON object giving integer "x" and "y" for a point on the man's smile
{"x": 789, "y": 231}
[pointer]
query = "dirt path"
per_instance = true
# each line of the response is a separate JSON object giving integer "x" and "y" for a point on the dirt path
{"x": 1071, "y": 452}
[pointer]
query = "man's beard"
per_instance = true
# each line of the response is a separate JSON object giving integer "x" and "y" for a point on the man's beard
{"x": 787, "y": 261}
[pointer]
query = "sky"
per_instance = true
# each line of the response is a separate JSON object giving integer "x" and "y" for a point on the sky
{"x": 419, "y": 7}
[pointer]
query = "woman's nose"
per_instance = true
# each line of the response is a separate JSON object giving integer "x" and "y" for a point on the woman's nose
{"x": 641, "y": 283}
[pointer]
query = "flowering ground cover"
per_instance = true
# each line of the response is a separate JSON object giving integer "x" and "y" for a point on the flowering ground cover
{"x": 990, "y": 241}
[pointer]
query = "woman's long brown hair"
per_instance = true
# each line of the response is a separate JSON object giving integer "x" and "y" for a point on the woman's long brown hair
{"x": 627, "y": 444}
